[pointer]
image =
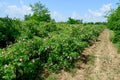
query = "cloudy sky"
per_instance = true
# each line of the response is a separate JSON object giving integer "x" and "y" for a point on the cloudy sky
{"x": 88, "y": 10}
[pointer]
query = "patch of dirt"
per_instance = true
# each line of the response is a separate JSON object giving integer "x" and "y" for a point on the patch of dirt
{"x": 106, "y": 62}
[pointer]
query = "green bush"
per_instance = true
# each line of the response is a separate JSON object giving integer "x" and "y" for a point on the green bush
{"x": 31, "y": 28}
{"x": 40, "y": 44}
{"x": 63, "y": 52}
{"x": 8, "y": 33}
{"x": 114, "y": 24}
{"x": 116, "y": 36}
{"x": 114, "y": 19}
{"x": 73, "y": 21}
{"x": 21, "y": 60}
{"x": 59, "y": 49}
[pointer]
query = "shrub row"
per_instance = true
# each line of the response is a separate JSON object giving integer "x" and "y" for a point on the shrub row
{"x": 114, "y": 24}
{"x": 51, "y": 46}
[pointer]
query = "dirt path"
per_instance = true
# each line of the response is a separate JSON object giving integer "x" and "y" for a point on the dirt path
{"x": 106, "y": 62}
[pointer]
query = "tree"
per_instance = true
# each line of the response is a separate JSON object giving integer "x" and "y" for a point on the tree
{"x": 40, "y": 13}
{"x": 74, "y": 21}
{"x": 27, "y": 17}
{"x": 114, "y": 19}
{"x": 114, "y": 24}
{"x": 8, "y": 32}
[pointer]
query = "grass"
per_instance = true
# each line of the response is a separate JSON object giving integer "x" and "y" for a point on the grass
{"x": 111, "y": 35}
{"x": 116, "y": 45}
{"x": 51, "y": 77}
{"x": 92, "y": 60}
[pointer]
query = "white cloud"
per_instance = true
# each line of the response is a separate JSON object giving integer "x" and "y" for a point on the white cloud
{"x": 101, "y": 11}
{"x": 90, "y": 16}
{"x": 98, "y": 15}
{"x": 93, "y": 15}
{"x": 19, "y": 12}
{"x": 13, "y": 10}
{"x": 75, "y": 15}
{"x": 58, "y": 16}
{"x": 106, "y": 8}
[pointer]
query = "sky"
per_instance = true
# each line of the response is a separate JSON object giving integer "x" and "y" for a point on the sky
{"x": 61, "y": 10}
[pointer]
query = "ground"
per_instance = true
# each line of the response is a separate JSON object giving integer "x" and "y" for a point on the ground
{"x": 104, "y": 63}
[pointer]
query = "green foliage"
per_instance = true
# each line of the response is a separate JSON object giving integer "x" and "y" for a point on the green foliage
{"x": 114, "y": 20}
{"x": 27, "y": 58}
{"x": 73, "y": 21}
{"x": 98, "y": 23}
{"x": 31, "y": 28}
{"x": 116, "y": 38}
{"x": 114, "y": 24}
{"x": 8, "y": 32}
{"x": 38, "y": 45}
{"x": 20, "y": 60}
{"x": 40, "y": 13}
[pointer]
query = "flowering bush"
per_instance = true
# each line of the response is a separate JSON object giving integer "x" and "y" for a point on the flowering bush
{"x": 27, "y": 58}
{"x": 8, "y": 33}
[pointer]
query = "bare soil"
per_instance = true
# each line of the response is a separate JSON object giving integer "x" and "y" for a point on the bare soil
{"x": 104, "y": 65}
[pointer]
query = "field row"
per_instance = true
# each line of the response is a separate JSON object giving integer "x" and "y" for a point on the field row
{"x": 44, "y": 46}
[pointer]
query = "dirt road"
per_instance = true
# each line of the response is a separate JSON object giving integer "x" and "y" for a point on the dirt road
{"x": 106, "y": 62}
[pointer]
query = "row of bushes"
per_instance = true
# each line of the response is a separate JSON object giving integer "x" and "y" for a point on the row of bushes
{"x": 14, "y": 30}
{"x": 40, "y": 46}
{"x": 114, "y": 24}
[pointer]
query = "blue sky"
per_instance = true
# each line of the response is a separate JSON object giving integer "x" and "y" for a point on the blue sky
{"x": 88, "y": 10}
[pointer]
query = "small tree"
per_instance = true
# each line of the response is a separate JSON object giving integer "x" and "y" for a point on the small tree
{"x": 40, "y": 13}
{"x": 74, "y": 21}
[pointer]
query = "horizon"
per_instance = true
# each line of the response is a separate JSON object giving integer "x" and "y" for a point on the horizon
{"x": 61, "y": 10}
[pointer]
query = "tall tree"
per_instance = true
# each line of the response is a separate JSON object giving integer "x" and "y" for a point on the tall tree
{"x": 40, "y": 12}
